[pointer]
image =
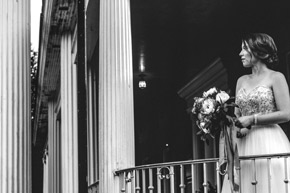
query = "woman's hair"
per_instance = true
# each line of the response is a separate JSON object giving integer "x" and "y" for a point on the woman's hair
{"x": 263, "y": 47}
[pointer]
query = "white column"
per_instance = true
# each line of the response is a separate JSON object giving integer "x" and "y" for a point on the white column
{"x": 15, "y": 132}
{"x": 68, "y": 118}
{"x": 52, "y": 148}
{"x": 58, "y": 159}
{"x": 116, "y": 116}
{"x": 45, "y": 176}
{"x": 92, "y": 108}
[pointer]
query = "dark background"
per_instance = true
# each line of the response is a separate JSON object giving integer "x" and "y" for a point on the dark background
{"x": 178, "y": 40}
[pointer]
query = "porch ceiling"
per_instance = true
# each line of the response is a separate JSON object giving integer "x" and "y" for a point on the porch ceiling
{"x": 63, "y": 19}
{"x": 58, "y": 16}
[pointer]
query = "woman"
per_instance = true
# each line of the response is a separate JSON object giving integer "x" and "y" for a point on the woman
{"x": 264, "y": 102}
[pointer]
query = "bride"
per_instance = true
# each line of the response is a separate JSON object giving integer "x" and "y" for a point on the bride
{"x": 264, "y": 102}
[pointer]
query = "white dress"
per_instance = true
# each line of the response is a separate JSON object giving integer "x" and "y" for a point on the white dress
{"x": 261, "y": 139}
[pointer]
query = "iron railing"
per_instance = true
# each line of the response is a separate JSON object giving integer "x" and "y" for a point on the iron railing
{"x": 94, "y": 188}
{"x": 192, "y": 176}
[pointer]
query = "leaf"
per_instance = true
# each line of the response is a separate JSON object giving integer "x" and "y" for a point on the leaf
{"x": 199, "y": 132}
{"x": 232, "y": 105}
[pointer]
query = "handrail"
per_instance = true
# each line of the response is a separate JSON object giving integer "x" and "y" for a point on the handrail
{"x": 197, "y": 161}
{"x": 94, "y": 184}
{"x": 156, "y": 165}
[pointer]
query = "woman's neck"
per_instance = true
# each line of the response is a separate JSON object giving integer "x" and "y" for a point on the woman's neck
{"x": 259, "y": 69}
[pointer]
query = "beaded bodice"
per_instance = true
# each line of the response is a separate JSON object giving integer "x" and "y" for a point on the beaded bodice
{"x": 259, "y": 100}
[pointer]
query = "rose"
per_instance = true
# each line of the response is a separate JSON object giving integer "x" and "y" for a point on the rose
{"x": 222, "y": 97}
{"x": 208, "y": 106}
{"x": 202, "y": 126}
{"x": 210, "y": 92}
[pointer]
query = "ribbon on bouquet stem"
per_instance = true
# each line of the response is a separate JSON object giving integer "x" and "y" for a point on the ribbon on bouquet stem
{"x": 229, "y": 154}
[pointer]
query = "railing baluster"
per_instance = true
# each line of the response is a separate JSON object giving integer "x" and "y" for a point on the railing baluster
{"x": 254, "y": 182}
{"x": 124, "y": 182}
{"x": 205, "y": 185}
{"x": 150, "y": 187}
{"x": 269, "y": 174}
{"x": 144, "y": 180}
{"x": 138, "y": 188}
{"x": 240, "y": 177}
{"x": 193, "y": 178}
{"x": 182, "y": 185}
{"x": 286, "y": 181}
{"x": 165, "y": 172}
{"x": 218, "y": 178}
{"x": 133, "y": 182}
{"x": 172, "y": 179}
{"x": 159, "y": 180}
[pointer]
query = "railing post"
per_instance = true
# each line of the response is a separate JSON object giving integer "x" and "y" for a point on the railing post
{"x": 159, "y": 177}
{"x": 172, "y": 179}
{"x": 218, "y": 186}
{"x": 269, "y": 174}
{"x": 254, "y": 182}
{"x": 240, "y": 176}
{"x": 143, "y": 180}
{"x": 193, "y": 178}
{"x": 138, "y": 189}
{"x": 286, "y": 175}
{"x": 182, "y": 185}
{"x": 132, "y": 181}
{"x": 123, "y": 182}
{"x": 205, "y": 185}
{"x": 150, "y": 187}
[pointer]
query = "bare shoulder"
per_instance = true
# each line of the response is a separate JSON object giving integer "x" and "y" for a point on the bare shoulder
{"x": 243, "y": 78}
{"x": 241, "y": 81}
{"x": 277, "y": 76}
{"x": 278, "y": 81}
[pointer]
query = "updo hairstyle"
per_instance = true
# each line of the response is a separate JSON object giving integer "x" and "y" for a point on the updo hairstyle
{"x": 263, "y": 47}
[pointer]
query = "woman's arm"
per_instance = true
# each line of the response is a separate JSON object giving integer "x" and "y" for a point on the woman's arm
{"x": 282, "y": 99}
{"x": 238, "y": 87}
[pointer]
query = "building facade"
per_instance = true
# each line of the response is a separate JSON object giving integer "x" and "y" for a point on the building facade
{"x": 90, "y": 121}
{"x": 108, "y": 124}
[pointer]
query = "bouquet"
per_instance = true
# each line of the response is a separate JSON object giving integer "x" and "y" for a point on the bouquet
{"x": 214, "y": 113}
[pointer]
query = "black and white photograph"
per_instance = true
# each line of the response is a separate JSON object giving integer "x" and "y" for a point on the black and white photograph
{"x": 144, "y": 96}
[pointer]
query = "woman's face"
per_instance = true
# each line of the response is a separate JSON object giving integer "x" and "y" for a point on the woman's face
{"x": 247, "y": 57}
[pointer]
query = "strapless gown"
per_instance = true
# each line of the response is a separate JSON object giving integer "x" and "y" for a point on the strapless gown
{"x": 261, "y": 139}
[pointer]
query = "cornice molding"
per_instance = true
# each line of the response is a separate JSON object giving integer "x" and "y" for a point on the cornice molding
{"x": 214, "y": 75}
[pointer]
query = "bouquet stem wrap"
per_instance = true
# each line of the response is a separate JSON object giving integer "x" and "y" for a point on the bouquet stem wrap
{"x": 228, "y": 151}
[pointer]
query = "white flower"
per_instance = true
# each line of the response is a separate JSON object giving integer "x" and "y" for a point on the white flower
{"x": 199, "y": 100}
{"x": 208, "y": 106}
{"x": 210, "y": 92}
{"x": 196, "y": 105}
{"x": 222, "y": 97}
{"x": 205, "y": 130}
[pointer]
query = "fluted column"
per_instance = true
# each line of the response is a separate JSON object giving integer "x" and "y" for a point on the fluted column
{"x": 15, "y": 131}
{"x": 45, "y": 176}
{"x": 68, "y": 118}
{"x": 53, "y": 149}
{"x": 116, "y": 117}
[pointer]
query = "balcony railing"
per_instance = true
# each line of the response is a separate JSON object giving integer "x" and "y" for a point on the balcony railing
{"x": 193, "y": 176}
{"x": 94, "y": 188}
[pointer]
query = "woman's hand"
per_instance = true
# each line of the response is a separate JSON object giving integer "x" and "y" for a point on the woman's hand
{"x": 244, "y": 121}
{"x": 242, "y": 132}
